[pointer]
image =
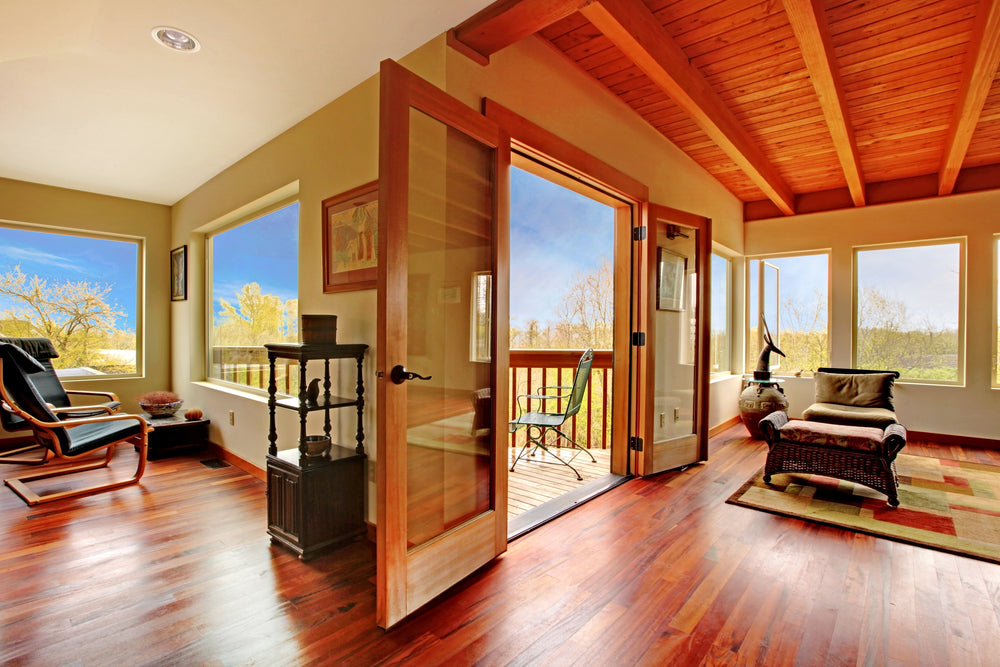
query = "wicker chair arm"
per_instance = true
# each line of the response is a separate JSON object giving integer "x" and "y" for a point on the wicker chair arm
{"x": 771, "y": 425}
{"x": 893, "y": 440}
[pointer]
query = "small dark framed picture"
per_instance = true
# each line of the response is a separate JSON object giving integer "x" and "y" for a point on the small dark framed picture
{"x": 178, "y": 274}
{"x": 670, "y": 280}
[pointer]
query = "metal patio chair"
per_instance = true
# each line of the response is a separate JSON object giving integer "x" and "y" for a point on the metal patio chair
{"x": 540, "y": 424}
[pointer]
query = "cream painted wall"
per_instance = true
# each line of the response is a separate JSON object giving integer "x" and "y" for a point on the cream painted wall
{"x": 969, "y": 410}
{"x": 62, "y": 209}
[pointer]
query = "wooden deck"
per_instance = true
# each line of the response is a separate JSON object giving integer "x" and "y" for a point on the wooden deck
{"x": 540, "y": 478}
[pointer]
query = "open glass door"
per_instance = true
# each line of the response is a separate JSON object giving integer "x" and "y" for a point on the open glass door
{"x": 672, "y": 412}
{"x": 441, "y": 359}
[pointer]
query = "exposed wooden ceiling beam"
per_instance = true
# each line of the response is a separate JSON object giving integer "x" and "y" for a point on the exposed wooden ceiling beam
{"x": 506, "y": 22}
{"x": 980, "y": 69}
{"x": 639, "y": 35}
{"x": 813, "y": 34}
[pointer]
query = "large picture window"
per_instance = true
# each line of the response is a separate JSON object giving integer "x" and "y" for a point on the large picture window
{"x": 909, "y": 310}
{"x": 253, "y": 296}
{"x": 79, "y": 291}
{"x": 721, "y": 280}
{"x": 790, "y": 293}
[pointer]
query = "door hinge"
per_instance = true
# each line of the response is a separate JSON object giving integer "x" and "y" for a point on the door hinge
{"x": 638, "y": 338}
{"x": 639, "y": 233}
{"x": 635, "y": 444}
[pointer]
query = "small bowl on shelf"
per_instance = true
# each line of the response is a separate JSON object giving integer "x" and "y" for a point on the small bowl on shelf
{"x": 161, "y": 410}
{"x": 316, "y": 445}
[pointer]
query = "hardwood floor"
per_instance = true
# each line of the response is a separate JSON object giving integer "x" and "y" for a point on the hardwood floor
{"x": 179, "y": 571}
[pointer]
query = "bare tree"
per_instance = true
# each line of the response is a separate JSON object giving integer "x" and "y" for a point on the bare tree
{"x": 586, "y": 311}
{"x": 256, "y": 319}
{"x": 75, "y": 316}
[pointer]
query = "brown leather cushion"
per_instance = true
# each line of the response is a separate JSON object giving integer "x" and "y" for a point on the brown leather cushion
{"x": 862, "y": 390}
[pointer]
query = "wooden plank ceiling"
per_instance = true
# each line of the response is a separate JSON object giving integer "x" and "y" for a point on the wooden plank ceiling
{"x": 793, "y": 105}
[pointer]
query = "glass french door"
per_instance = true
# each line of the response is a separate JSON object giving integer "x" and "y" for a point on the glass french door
{"x": 673, "y": 304}
{"x": 442, "y": 343}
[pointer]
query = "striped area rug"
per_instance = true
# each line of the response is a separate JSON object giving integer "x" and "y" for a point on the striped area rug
{"x": 949, "y": 505}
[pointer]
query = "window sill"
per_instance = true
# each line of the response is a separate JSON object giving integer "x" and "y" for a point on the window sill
{"x": 232, "y": 390}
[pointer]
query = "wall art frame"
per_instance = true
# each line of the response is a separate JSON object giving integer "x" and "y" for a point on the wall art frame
{"x": 670, "y": 271}
{"x": 350, "y": 239}
{"x": 178, "y": 274}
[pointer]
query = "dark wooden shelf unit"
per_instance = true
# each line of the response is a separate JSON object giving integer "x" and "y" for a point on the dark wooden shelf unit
{"x": 314, "y": 502}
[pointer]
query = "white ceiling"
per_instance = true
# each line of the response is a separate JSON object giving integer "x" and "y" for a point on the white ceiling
{"x": 89, "y": 101}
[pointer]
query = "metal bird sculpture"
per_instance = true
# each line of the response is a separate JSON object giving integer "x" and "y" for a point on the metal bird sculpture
{"x": 763, "y": 370}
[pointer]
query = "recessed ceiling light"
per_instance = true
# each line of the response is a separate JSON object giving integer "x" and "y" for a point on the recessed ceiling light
{"x": 176, "y": 39}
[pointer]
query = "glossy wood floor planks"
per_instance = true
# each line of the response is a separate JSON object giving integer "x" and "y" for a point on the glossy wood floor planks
{"x": 179, "y": 570}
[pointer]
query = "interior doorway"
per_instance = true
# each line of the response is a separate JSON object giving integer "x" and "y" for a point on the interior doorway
{"x": 562, "y": 303}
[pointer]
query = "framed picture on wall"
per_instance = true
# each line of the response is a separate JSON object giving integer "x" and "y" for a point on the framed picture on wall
{"x": 671, "y": 268}
{"x": 178, "y": 274}
{"x": 350, "y": 239}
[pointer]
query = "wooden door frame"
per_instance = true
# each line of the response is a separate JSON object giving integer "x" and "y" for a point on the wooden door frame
{"x": 547, "y": 148}
{"x": 653, "y": 215}
{"x": 485, "y": 536}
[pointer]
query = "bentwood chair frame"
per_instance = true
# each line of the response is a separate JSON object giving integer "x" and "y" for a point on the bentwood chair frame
{"x": 70, "y": 441}
{"x": 50, "y": 388}
{"x": 540, "y": 424}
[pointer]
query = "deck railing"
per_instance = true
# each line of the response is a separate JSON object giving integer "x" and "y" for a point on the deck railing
{"x": 533, "y": 369}
{"x": 247, "y": 365}
{"x": 529, "y": 371}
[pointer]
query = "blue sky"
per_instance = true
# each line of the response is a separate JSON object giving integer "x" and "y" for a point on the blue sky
{"x": 264, "y": 251}
{"x": 800, "y": 277}
{"x": 554, "y": 232}
{"x": 63, "y": 258}
{"x": 924, "y": 277}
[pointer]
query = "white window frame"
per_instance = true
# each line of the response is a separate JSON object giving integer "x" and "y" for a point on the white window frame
{"x": 269, "y": 204}
{"x": 729, "y": 313}
{"x": 962, "y": 279}
{"x": 140, "y": 274}
{"x": 751, "y": 353}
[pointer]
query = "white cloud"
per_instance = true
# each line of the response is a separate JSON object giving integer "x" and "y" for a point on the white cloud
{"x": 39, "y": 257}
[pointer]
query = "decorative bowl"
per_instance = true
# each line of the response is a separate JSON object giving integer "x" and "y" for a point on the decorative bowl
{"x": 316, "y": 445}
{"x": 161, "y": 409}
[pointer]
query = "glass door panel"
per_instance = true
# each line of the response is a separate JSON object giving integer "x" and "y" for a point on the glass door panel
{"x": 675, "y": 326}
{"x": 672, "y": 367}
{"x": 450, "y": 248}
{"x": 442, "y": 289}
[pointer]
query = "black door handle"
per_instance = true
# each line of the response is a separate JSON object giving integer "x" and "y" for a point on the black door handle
{"x": 399, "y": 375}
